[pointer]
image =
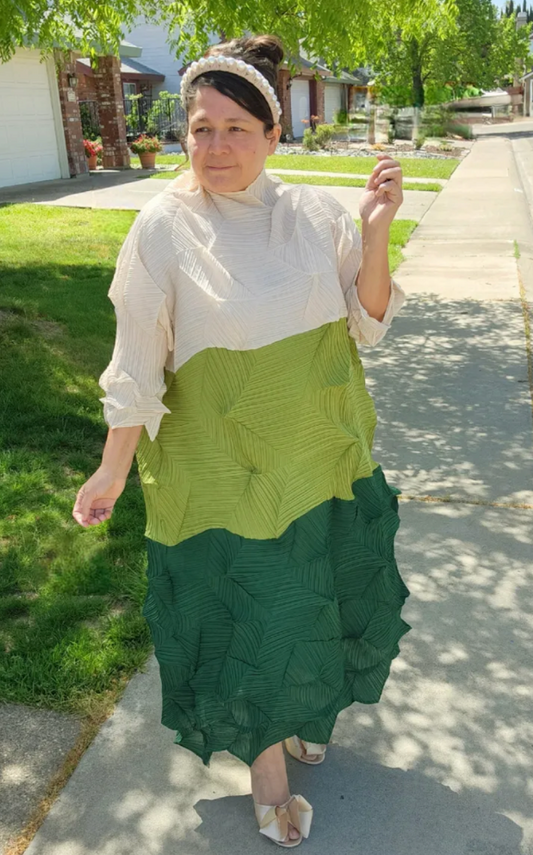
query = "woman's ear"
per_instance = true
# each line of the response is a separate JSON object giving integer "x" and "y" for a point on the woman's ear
{"x": 274, "y": 138}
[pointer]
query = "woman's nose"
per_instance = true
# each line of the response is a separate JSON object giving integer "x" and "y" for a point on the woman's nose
{"x": 218, "y": 142}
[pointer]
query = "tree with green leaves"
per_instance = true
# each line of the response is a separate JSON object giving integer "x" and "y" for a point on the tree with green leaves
{"x": 413, "y": 45}
{"x": 324, "y": 28}
{"x": 469, "y": 45}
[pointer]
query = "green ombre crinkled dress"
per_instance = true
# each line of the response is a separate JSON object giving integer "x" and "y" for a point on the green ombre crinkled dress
{"x": 274, "y": 597}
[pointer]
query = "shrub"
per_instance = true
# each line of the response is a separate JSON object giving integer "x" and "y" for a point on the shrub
{"x": 323, "y": 135}
{"x": 435, "y": 121}
{"x": 144, "y": 143}
{"x": 464, "y": 131}
{"x": 419, "y": 142}
{"x": 309, "y": 140}
{"x": 341, "y": 117}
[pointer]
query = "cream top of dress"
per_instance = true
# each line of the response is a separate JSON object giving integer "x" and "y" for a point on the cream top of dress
{"x": 228, "y": 270}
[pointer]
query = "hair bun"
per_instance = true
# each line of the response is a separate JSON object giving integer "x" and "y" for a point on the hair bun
{"x": 265, "y": 47}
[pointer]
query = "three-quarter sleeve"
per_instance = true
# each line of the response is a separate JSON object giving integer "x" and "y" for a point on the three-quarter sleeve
{"x": 134, "y": 379}
{"x": 362, "y": 327}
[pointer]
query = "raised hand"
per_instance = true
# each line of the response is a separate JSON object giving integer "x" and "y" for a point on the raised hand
{"x": 383, "y": 193}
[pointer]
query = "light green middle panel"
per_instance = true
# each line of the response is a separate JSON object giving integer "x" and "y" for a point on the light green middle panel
{"x": 256, "y": 438}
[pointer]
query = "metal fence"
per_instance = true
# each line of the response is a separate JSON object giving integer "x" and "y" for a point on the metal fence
{"x": 90, "y": 121}
{"x": 162, "y": 117}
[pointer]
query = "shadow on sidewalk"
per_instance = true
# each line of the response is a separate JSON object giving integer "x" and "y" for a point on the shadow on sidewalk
{"x": 450, "y": 383}
{"x": 362, "y": 808}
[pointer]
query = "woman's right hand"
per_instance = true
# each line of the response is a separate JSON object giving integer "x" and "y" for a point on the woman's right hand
{"x": 96, "y": 499}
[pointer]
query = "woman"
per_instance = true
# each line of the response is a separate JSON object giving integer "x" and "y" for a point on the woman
{"x": 274, "y": 599}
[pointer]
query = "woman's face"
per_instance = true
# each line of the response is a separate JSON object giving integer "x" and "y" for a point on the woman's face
{"x": 227, "y": 145}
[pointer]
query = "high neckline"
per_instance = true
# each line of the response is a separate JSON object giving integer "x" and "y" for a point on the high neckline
{"x": 260, "y": 193}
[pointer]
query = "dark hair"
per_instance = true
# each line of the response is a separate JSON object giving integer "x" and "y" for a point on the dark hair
{"x": 263, "y": 52}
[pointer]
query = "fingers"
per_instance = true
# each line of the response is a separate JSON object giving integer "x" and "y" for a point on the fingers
{"x": 86, "y": 515}
{"x": 82, "y": 507}
{"x": 385, "y": 172}
{"x": 388, "y": 187}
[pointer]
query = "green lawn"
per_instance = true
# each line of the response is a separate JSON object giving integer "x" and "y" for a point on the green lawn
{"x": 325, "y": 180}
{"x": 412, "y": 167}
{"x": 70, "y": 623}
{"x": 71, "y": 631}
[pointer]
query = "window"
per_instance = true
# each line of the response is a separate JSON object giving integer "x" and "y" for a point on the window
{"x": 129, "y": 89}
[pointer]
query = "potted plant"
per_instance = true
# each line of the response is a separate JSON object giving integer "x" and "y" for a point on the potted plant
{"x": 146, "y": 147}
{"x": 92, "y": 150}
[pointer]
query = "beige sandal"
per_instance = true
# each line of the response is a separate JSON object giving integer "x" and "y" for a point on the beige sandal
{"x": 274, "y": 820}
{"x": 300, "y": 750}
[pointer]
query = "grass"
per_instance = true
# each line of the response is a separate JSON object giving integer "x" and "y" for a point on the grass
{"x": 71, "y": 629}
{"x": 400, "y": 232}
{"x": 412, "y": 167}
{"x": 333, "y": 181}
{"x": 325, "y": 180}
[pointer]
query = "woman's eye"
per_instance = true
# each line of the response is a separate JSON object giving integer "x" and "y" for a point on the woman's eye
{"x": 200, "y": 130}
{"x": 235, "y": 129}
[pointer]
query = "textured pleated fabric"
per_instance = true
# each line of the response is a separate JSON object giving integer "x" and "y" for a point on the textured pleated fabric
{"x": 279, "y": 429}
{"x": 258, "y": 640}
{"x": 274, "y": 600}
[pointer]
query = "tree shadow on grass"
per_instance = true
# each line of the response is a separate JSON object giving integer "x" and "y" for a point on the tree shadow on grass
{"x": 64, "y": 588}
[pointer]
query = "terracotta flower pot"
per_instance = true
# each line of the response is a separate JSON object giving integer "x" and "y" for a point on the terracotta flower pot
{"x": 92, "y": 162}
{"x": 147, "y": 159}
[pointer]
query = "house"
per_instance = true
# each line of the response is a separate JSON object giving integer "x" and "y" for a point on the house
{"x": 40, "y": 133}
{"x": 41, "y": 105}
{"x": 301, "y": 96}
{"x": 136, "y": 79}
{"x": 32, "y": 138}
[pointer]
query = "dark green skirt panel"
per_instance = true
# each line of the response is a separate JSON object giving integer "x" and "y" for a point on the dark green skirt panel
{"x": 258, "y": 640}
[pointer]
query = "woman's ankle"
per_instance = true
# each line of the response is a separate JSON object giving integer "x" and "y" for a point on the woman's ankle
{"x": 269, "y": 777}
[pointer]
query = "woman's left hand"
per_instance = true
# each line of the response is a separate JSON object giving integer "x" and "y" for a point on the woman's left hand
{"x": 383, "y": 194}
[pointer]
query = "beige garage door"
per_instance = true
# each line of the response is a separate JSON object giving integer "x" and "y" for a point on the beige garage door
{"x": 28, "y": 141}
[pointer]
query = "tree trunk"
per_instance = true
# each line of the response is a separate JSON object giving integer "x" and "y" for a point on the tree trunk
{"x": 416, "y": 69}
{"x": 418, "y": 88}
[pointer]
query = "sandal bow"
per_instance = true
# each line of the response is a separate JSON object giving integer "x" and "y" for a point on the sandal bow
{"x": 274, "y": 820}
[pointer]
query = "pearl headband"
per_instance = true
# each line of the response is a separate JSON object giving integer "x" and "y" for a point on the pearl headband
{"x": 233, "y": 66}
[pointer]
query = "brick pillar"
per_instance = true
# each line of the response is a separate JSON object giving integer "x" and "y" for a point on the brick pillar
{"x": 351, "y": 99}
{"x": 111, "y": 112}
{"x": 320, "y": 96}
{"x": 284, "y": 98}
{"x": 70, "y": 111}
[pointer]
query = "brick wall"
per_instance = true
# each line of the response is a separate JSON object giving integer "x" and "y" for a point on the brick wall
{"x": 70, "y": 111}
{"x": 284, "y": 98}
{"x": 111, "y": 112}
{"x": 320, "y": 100}
{"x": 86, "y": 88}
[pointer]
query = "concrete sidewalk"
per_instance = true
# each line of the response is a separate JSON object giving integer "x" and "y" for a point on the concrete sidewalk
{"x": 130, "y": 190}
{"x": 442, "y": 766}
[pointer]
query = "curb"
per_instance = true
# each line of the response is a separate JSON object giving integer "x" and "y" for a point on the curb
{"x": 525, "y": 260}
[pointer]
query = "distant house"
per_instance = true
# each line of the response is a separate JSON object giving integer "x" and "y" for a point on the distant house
{"x": 136, "y": 79}
{"x": 312, "y": 91}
